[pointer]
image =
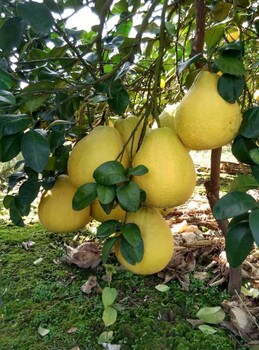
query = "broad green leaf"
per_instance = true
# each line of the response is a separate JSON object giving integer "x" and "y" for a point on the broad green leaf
{"x": 37, "y": 15}
{"x": 107, "y": 207}
{"x": 213, "y": 35}
{"x": 138, "y": 170}
{"x": 182, "y": 66}
{"x": 124, "y": 70}
{"x": 12, "y": 124}
{"x": 109, "y": 295}
{"x": 14, "y": 178}
{"x": 234, "y": 49}
{"x": 109, "y": 316}
{"x": 119, "y": 101}
{"x": 230, "y": 87}
{"x": 230, "y": 65}
{"x": 130, "y": 253}
{"x": 107, "y": 228}
{"x": 10, "y": 147}
{"x": 207, "y": 329}
{"x": 6, "y": 79}
{"x": 106, "y": 194}
{"x": 239, "y": 243}
{"x": 35, "y": 150}
{"x": 221, "y": 10}
{"x": 129, "y": 196}
{"x": 7, "y": 201}
{"x": 84, "y": 196}
{"x": 28, "y": 191}
{"x": 255, "y": 172}
{"x": 105, "y": 337}
{"x": 132, "y": 234}
{"x": 244, "y": 218}
{"x": 34, "y": 103}
{"x": 110, "y": 173}
{"x": 162, "y": 288}
{"x": 233, "y": 204}
{"x": 243, "y": 183}
{"x": 250, "y": 124}
{"x": 254, "y": 224}
{"x": 15, "y": 214}
{"x": 213, "y": 315}
{"x": 241, "y": 148}
{"x": 254, "y": 154}
{"x": 107, "y": 247}
{"x": 7, "y": 97}
{"x": 11, "y": 34}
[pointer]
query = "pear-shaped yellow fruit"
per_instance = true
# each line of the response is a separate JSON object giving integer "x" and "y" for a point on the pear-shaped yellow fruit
{"x": 126, "y": 126}
{"x": 171, "y": 178}
{"x": 168, "y": 115}
{"x": 102, "y": 144}
{"x": 55, "y": 208}
{"x": 203, "y": 119}
{"x": 157, "y": 239}
{"x": 97, "y": 212}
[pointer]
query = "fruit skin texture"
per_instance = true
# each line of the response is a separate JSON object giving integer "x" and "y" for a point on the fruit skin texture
{"x": 203, "y": 119}
{"x": 97, "y": 212}
{"x": 125, "y": 126}
{"x": 157, "y": 238}
{"x": 167, "y": 116}
{"x": 171, "y": 178}
{"x": 55, "y": 208}
{"x": 102, "y": 144}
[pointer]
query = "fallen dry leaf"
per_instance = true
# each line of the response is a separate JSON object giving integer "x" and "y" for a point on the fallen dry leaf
{"x": 90, "y": 284}
{"x": 72, "y": 330}
{"x": 85, "y": 255}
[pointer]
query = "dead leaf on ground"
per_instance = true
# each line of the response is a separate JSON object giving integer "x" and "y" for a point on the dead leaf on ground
{"x": 90, "y": 285}
{"x": 85, "y": 255}
{"x": 72, "y": 330}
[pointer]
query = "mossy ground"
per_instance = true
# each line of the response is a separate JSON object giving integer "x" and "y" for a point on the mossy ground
{"x": 49, "y": 295}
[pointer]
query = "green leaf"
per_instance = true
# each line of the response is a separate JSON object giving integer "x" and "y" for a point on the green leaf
{"x": 239, "y": 243}
{"x": 230, "y": 65}
{"x": 105, "y": 337}
{"x": 129, "y": 196}
{"x": 10, "y": 147}
{"x": 84, "y": 196}
{"x": 15, "y": 214}
{"x": 243, "y": 183}
{"x": 254, "y": 224}
{"x": 254, "y": 154}
{"x": 14, "y": 178}
{"x": 138, "y": 170}
{"x": 35, "y": 150}
{"x": 255, "y": 172}
{"x": 109, "y": 316}
{"x": 107, "y": 247}
{"x": 206, "y": 329}
{"x": 11, "y": 34}
{"x": 221, "y": 10}
{"x": 250, "y": 124}
{"x": 241, "y": 148}
{"x": 107, "y": 228}
{"x": 12, "y": 124}
{"x": 119, "y": 101}
{"x": 7, "y": 97}
{"x": 132, "y": 254}
{"x": 162, "y": 288}
{"x": 213, "y": 35}
{"x": 107, "y": 207}
{"x": 33, "y": 104}
{"x": 6, "y": 79}
{"x": 123, "y": 70}
{"x": 110, "y": 173}
{"x": 230, "y": 87}
{"x": 234, "y": 49}
{"x": 132, "y": 234}
{"x": 28, "y": 191}
{"x": 182, "y": 66}
{"x": 37, "y": 15}
{"x": 106, "y": 194}
{"x": 233, "y": 204}
{"x": 109, "y": 295}
{"x": 244, "y": 218}
{"x": 213, "y": 315}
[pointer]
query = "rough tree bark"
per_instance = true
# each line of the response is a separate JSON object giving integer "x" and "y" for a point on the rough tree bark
{"x": 213, "y": 185}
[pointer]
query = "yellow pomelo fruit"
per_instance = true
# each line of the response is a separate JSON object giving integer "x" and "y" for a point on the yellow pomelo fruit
{"x": 55, "y": 208}
{"x": 232, "y": 34}
{"x": 203, "y": 119}
{"x": 171, "y": 178}
{"x": 125, "y": 127}
{"x": 167, "y": 116}
{"x": 102, "y": 144}
{"x": 256, "y": 95}
{"x": 99, "y": 214}
{"x": 157, "y": 239}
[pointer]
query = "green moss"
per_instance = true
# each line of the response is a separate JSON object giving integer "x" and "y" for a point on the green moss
{"x": 49, "y": 295}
